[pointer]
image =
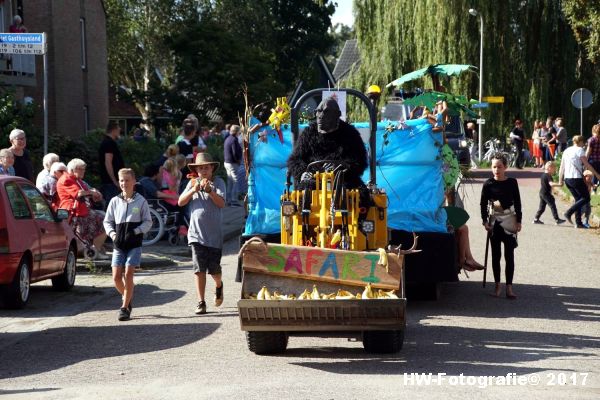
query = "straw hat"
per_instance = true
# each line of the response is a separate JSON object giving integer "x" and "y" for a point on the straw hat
{"x": 203, "y": 159}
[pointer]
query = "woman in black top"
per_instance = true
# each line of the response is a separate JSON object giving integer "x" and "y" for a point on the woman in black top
{"x": 23, "y": 165}
{"x": 502, "y": 194}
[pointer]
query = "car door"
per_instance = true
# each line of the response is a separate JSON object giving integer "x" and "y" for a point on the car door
{"x": 23, "y": 232}
{"x": 53, "y": 240}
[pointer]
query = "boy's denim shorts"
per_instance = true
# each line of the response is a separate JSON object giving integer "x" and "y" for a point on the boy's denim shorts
{"x": 131, "y": 258}
{"x": 206, "y": 258}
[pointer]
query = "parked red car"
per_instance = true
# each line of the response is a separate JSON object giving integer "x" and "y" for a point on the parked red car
{"x": 35, "y": 242}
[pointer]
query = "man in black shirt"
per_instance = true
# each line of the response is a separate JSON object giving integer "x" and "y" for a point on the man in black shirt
{"x": 111, "y": 161}
{"x": 517, "y": 136}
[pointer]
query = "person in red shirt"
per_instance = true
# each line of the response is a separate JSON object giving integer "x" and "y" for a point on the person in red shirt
{"x": 17, "y": 25}
{"x": 75, "y": 195}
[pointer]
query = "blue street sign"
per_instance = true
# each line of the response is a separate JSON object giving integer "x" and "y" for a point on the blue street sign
{"x": 22, "y": 43}
{"x": 480, "y": 105}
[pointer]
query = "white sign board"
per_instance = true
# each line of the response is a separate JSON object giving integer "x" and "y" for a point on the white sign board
{"x": 22, "y": 43}
{"x": 340, "y": 97}
{"x": 480, "y": 121}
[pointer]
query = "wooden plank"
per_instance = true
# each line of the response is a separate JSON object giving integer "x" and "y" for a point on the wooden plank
{"x": 353, "y": 268}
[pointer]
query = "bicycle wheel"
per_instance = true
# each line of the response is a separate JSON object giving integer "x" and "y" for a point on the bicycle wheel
{"x": 157, "y": 230}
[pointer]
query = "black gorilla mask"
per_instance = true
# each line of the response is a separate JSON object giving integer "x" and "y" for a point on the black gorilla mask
{"x": 328, "y": 116}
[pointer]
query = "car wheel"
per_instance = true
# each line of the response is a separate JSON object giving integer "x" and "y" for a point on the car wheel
{"x": 16, "y": 294}
{"x": 66, "y": 280}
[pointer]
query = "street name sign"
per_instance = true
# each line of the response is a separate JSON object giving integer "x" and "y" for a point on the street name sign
{"x": 480, "y": 121}
{"x": 494, "y": 99}
{"x": 22, "y": 43}
{"x": 480, "y": 105}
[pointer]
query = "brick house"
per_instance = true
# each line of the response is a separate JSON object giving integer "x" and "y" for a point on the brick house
{"x": 77, "y": 62}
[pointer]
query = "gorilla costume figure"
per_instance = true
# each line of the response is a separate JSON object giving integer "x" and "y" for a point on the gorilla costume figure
{"x": 329, "y": 138}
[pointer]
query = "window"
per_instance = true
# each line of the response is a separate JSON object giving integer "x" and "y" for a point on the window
{"x": 40, "y": 207}
{"x": 86, "y": 119}
{"x": 18, "y": 204}
{"x": 2, "y": 18}
{"x": 83, "y": 43}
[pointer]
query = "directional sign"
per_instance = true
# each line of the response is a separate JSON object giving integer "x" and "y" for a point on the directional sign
{"x": 480, "y": 105}
{"x": 22, "y": 43}
{"x": 494, "y": 99}
{"x": 480, "y": 121}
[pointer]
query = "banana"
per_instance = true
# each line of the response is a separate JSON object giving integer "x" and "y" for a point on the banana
{"x": 383, "y": 259}
{"x": 335, "y": 239}
{"x": 264, "y": 294}
{"x": 358, "y": 296}
{"x": 315, "y": 293}
{"x": 343, "y": 295}
{"x": 276, "y": 296}
{"x": 305, "y": 295}
{"x": 368, "y": 292}
{"x": 392, "y": 295}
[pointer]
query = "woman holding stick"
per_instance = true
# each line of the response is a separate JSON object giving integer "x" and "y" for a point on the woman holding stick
{"x": 502, "y": 194}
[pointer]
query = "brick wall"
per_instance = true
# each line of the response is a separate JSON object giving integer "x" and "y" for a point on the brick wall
{"x": 71, "y": 87}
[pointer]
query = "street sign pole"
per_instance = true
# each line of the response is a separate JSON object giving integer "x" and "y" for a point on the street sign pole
{"x": 30, "y": 44}
{"x": 581, "y": 113}
{"x": 45, "y": 97}
{"x": 581, "y": 98}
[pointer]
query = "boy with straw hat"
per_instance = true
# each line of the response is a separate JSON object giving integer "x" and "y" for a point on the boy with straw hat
{"x": 206, "y": 195}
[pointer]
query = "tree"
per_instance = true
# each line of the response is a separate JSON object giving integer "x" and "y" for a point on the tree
{"x": 136, "y": 31}
{"x": 211, "y": 64}
{"x": 529, "y": 52}
{"x": 266, "y": 44}
{"x": 584, "y": 19}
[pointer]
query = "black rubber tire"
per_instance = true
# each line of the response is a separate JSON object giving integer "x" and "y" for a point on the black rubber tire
{"x": 16, "y": 294}
{"x": 383, "y": 342}
{"x": 66, "y": 280}
{"x": 267, "y": 342}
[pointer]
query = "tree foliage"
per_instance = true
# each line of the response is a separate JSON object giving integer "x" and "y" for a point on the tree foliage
{"x": 584, "y": 18}
{"x": 137, "y": 52}
{"x": 530, "y": 54}
{"x": 195, "y": 55}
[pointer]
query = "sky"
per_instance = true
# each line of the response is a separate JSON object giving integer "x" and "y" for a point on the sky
{"x": 343, "y": 13}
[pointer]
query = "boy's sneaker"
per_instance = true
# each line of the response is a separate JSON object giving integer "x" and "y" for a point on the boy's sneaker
{"x": 124, "y": 314}
{"x": 568, "y": 217}
{"x": 538, "y": 221}
{"x": 560, "y": 221}
{"x": 219, "y": 295}
{"x": 201, "y": 308}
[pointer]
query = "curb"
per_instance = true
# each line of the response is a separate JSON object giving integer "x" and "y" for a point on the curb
{"x": 153, "y": 257}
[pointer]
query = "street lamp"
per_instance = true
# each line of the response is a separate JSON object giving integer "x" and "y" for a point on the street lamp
{"x": 474, "y": 13}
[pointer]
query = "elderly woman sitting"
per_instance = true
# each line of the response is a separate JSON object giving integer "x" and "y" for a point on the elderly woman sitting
{"x": 75, "y": 195}
{"x": 47, "y": 162}
{"x": 7, "y": 160}
{"x": 49, "y": 183}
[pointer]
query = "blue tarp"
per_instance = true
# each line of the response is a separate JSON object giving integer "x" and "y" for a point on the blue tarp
{"x": 408, "y": 168}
